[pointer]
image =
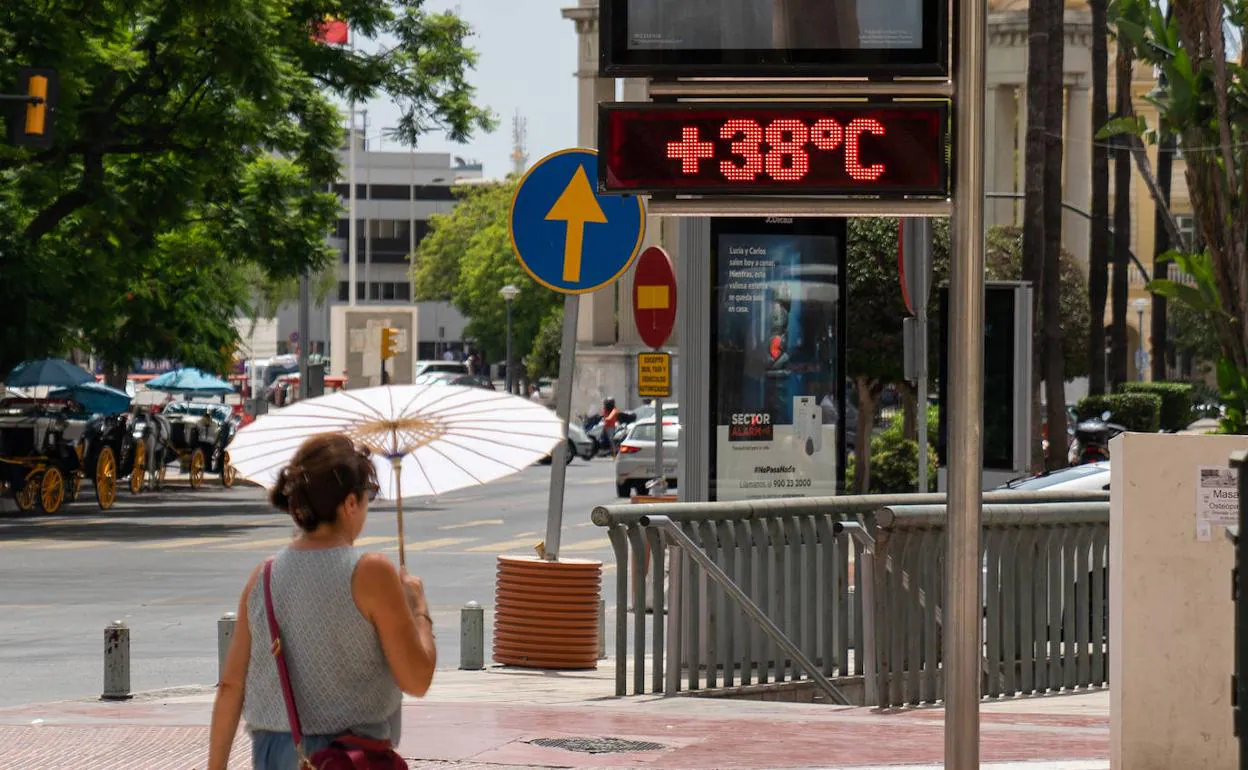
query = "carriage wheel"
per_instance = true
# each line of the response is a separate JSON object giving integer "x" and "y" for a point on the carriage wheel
{"x": 27, "y": 495}
{"x": 74, "y": 487}
{"x": 51, "y": 490}
{"x": 228, "y": 473}
{"x": 106, "y": 479}
{"x": 197, "y": 468}
{"x": 140, "y": 467}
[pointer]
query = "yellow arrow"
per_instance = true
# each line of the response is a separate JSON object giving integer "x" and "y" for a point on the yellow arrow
{"x": 577, "y": 205}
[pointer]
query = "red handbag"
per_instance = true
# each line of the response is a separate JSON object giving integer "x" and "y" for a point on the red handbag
{"x": 347, "y": 752}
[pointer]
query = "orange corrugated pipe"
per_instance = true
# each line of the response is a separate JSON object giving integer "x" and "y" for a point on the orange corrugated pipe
{"x": 546, "y": 613}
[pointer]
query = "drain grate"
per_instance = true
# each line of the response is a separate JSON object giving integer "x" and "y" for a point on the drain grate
{"x": 597, "y": 745}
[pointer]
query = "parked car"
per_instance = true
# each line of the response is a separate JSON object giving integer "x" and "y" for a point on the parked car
{"x": 579, "y": 445}
{"x": 671, "y": 411}
{"x": 457, "y": 367}
{"x": 452, "y": 378}
{"x": 1089, "y": 477}
{"x": 634, "y": 463}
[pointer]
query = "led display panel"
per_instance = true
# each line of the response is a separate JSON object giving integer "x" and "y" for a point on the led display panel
{"x": 883, "y": 150}
{"x": 773, "y": 38}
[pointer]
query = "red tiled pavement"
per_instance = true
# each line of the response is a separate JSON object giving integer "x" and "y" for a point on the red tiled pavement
{"x": 460, "y": 736}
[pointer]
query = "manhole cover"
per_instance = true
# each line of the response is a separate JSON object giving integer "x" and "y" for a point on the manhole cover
{"x": 597, "y": 745}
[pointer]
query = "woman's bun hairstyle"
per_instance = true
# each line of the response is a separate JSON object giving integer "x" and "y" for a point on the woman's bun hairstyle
{"x": 323, "y": 473}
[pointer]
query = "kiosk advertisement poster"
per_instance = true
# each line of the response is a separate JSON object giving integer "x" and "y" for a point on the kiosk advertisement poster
{"x": 777, "y": 358}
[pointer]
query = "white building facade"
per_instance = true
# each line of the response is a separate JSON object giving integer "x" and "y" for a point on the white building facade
{"x": 396, "y": 194}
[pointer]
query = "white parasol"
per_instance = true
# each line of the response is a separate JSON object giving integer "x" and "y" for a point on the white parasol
{"x": 426, "y": 440}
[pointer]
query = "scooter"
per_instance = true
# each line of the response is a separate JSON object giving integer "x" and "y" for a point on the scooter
{"x": 1092, "y": 439}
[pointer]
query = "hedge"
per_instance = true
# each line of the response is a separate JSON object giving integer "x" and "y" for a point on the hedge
{"x": 1176, "y": 401}
{"x": 1137, "y": 412}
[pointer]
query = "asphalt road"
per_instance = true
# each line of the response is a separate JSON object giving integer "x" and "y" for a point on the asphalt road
{"x": 171, "y": 563}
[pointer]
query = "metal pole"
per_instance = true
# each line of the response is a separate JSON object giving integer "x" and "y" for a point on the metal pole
{"x": 305, "y": 323}
{"x": 966, "y": 376}
{"x": 225, "y": 632}
{"x": 508, "y": 379}
{"x": 660, "y": 478}
{"x": 352, "y": 229}
{"x": 368, "y": 218}
{"x": 924, "y": 246}
{"x": 563, "y": 407}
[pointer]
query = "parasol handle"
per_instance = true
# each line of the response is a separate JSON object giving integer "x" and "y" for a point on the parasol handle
{"x": 396, "y": 464}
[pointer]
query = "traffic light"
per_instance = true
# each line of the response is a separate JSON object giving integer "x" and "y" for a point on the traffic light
{"x": 34, "y": 127}
{"x": 389, "y": 343}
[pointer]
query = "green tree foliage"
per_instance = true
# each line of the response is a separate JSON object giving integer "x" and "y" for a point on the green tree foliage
{"x": 1201, "y": 99}
{"x": 467, "y": 258}
{"x": 543, "y": 357}
{"x": 192, "y": 140}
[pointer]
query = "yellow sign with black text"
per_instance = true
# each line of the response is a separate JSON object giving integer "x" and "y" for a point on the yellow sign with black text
{"x": 654, "y": 375}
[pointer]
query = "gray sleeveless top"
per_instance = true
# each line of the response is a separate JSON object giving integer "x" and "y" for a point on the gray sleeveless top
{"x": 338, "y": 671}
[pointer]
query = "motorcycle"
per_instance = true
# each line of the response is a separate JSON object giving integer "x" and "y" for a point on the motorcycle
{"x": 608, "y": 446}
{"x": 1092, "y": 437}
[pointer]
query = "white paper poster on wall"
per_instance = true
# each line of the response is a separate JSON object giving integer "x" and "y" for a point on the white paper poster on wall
{"x": 1217, "y": 500}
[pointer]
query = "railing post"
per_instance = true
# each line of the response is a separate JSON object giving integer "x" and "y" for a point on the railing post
{"x": 472, "y": 637}
{"x": 868, "y": 649}
{"x": 619, "y": 543}
{"x": 675, "y": 585}
{"x": 225, "y": 632}
{"x": 116, "y": 662}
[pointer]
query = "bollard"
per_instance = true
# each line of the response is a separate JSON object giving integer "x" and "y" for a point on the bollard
{"x": 472, "y": 637}
{"x": 602, "y": 629}
{"x": 225, "y": 632}
{"x": 116, "y": 662}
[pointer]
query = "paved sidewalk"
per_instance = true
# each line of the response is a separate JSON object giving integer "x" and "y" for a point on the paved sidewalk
{"x": 492, "y": 720}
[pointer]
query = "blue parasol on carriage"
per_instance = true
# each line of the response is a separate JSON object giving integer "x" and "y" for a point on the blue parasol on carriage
{"x": 47, "y": 372}
{"x": 190, "y": 382}
{"x": 96, "y": 398}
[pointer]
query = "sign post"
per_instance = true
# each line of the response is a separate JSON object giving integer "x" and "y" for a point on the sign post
{"x": 557, "y": 221}
{"x": 654, "y": 311}
{"x": 915, "y": 267}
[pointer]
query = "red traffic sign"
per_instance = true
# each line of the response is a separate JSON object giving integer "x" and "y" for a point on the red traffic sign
{"x": 654, "y": 297}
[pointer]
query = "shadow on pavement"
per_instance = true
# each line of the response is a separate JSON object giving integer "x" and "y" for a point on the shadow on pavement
{"x": 129, "y": 531}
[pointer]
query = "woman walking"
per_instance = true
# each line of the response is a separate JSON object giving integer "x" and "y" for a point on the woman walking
{"x": 355, "y": 634}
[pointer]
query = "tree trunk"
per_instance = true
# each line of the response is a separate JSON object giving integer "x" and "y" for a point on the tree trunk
{"x": 868, "y": 394}
{"x": 1054, "y": 354}
{"x": 1098, "y": 243}
{"x": 1033, "y": 189}
{"x": 1161, "y": 244}
{"x": 1122, "y": 226}
{"x": 909, "y": 410}
{"x": 115, "y": 375}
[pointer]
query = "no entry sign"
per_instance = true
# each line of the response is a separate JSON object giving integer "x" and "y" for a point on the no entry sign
{"x": 654, "y": 297}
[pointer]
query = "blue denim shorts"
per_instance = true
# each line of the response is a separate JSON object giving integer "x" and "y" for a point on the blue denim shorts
{"x": 276, "y": 751}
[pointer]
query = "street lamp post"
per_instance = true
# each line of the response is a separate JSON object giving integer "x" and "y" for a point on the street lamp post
{"x": 1141, "y": 362}
{"x": 509, "y": 293}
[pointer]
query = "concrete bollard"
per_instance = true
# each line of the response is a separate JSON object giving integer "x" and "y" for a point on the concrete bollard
{"x": 602, "y": 629}
{"x": 116, "y": 662}
{"x": 472, "y": 637}
{"x": 225, "y": 632}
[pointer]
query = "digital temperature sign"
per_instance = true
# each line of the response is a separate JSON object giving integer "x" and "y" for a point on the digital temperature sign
{"x": 861, "y": 149}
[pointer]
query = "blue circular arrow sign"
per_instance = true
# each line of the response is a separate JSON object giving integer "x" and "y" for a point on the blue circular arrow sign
{"x": 567, "y": 236}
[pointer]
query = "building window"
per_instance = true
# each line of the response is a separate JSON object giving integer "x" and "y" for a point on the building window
{"x": 1187, "y": 228}
{"x": 343, "y": 291}
{"x": 387, "y": 291}
{"x": 403, "y": 291}
{"x": 360, "y": 292}
{"x": 389, "y": 229}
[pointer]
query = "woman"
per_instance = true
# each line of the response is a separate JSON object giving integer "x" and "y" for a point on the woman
{"x": 355, "y": 633}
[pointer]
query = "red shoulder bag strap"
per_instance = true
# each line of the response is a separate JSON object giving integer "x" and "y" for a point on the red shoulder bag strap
{"x": 279, "y": 657}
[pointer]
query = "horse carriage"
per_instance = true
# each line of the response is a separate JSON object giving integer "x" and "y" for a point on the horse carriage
{"x": 42, "y": 453}
{"x": 115, "y": 449}
{"x": 196, "y": 434}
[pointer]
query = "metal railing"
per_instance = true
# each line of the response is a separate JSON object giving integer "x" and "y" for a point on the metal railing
{"x": 802, "y": 569}
{"x": 1045, "y": 613}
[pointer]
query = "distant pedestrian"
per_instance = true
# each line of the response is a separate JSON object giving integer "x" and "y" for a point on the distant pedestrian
{"x": 355, "y": 633}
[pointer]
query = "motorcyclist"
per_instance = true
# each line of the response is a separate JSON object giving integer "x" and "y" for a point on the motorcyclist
{"x": 610, "y": 421}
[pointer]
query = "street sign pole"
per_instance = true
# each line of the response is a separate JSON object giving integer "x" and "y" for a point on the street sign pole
{"x": 966, "y": 402}
{"x": 563, "y": 408}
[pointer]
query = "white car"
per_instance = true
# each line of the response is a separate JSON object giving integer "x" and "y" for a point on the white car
{"x": 634, "y": 464}
{"x": 1087, "y": 477}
